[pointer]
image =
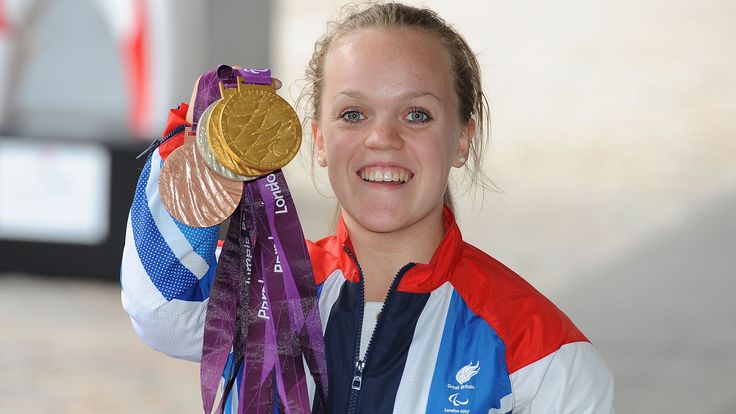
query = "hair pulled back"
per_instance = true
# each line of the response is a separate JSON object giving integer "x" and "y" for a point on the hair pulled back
{"x": 464, "y": 65}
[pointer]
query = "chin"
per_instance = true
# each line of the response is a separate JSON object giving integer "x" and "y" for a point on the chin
{"x": 382, "y": 226}
{"x": 378, "y": 219}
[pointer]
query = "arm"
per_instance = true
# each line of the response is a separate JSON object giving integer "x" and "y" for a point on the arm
{"x": 167, "y": 267}
{"x": 573, "y": 379}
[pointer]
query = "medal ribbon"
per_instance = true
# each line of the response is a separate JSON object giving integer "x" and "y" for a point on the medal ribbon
{"x": 263, "y": 303}
{"x": 208, "y": 86}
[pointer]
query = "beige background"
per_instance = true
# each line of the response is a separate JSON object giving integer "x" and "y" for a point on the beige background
{"x": 610, "y": 121}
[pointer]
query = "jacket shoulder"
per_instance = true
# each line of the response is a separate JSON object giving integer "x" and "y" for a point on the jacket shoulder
{"x": 324, "y": 255}
{"x": 530, "y": 325}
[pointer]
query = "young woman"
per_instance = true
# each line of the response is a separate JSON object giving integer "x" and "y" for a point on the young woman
{"x": 430, "y": 323}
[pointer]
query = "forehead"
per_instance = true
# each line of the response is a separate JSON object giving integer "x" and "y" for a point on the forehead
{"x": 381, "y": 60}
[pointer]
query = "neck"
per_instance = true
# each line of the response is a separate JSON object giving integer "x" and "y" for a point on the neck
{"x": 381, "y": 255}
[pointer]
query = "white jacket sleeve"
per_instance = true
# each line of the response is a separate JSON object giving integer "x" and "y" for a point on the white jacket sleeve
{"x": 166, "y": 271}
{"x": 573, "y": 379}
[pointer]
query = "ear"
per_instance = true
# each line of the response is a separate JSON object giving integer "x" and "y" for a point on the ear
{"x": 319, "y": 144}
{"x": 463, "y": 144}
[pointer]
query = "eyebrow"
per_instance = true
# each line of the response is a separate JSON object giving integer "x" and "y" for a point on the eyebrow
{"x": 355, "y": 94}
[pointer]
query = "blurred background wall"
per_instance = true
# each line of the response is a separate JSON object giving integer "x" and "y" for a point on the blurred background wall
{"x": 612, "y": 147}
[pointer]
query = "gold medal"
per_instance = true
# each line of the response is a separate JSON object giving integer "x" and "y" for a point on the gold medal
{"x": 222, "y": 153}
{"x": 259, "y": 128}
{"x": 205, "y": 150}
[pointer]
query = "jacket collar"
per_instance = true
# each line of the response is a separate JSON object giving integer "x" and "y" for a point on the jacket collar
{"x": 423, "y": 277}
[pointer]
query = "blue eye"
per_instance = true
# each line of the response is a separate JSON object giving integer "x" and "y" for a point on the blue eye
{"x": 418, "y": 116}
{"x": 352, "y": 116}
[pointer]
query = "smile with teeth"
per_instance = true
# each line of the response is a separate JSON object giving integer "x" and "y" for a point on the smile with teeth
{"x": 385, "y": 174}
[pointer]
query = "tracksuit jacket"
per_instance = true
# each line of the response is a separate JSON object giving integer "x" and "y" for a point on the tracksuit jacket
{"x": 460, "y": 334}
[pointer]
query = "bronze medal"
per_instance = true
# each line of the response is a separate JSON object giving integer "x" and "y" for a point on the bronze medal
{"x": 192, "y": 193}
{"x": 259, "y": 127}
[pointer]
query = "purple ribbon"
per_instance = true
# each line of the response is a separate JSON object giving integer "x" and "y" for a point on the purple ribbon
{"x": 208, "y": 87}
{"x": 219, "y": 327}
{"x": 263, "y": 303}
{"x": 292, "y": 296}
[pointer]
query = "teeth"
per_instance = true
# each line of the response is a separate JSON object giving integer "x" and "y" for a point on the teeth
{"x": 385, "y": 174}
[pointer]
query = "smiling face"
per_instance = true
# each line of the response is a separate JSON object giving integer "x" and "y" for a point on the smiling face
{"x": 389, "y": 127}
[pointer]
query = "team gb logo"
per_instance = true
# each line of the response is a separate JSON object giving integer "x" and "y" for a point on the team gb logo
{"x": 467, "y": 372}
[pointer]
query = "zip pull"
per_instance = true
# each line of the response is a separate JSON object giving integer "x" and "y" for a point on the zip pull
{"x": 358, "y": 377}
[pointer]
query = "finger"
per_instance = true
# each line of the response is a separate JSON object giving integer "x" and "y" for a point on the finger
{"x": 190, "y": 110}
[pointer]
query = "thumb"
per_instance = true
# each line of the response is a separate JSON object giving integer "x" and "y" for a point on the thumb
{"x": 190, "y": 110}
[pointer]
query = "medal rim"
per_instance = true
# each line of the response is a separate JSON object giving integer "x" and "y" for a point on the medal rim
{"x": 226, "y": 157}
{"x": 205, "y": 150}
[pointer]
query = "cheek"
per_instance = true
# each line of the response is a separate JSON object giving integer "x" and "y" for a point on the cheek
{"x": 340, "y": 149}
{"x": 340, "y": 144}
{"x": 437, "y": 150}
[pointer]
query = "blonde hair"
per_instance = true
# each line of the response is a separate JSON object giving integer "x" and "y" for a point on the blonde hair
{"x": 465, "y": 69}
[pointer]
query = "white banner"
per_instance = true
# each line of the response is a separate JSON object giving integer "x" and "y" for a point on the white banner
{"x": 54, "y": 192}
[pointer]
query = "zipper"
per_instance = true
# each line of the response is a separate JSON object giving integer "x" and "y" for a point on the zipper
{"x": 155, "y": 144}
{"x": 359, "y": 367}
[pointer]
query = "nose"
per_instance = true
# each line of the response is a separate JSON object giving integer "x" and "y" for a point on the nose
{"x": 384, "y": 135}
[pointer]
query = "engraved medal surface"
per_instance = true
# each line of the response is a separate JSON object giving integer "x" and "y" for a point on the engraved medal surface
{"x": 205, "y": 151}
{"x": 192, "y": 193}
{"x": 221, "y": 151}
{"x": 260, "y": 128}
